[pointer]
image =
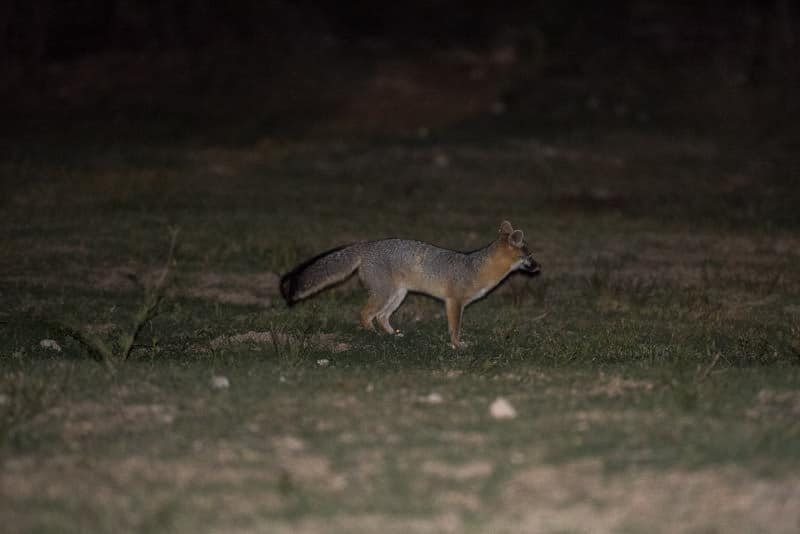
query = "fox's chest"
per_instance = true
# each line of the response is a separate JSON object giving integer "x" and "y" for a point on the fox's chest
{"x": 490, "y": 281}
{"x": 480, "y": 293}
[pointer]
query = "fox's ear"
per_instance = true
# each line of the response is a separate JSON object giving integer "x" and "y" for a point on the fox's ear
{"x": 516, "y": 239}
{"x": 505, "y": 228}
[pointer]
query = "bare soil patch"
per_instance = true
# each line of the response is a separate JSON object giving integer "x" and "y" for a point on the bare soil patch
{"x": 579, "y": 496}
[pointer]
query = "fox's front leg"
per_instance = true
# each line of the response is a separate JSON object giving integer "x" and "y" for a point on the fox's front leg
{"x": 454, "y": 308}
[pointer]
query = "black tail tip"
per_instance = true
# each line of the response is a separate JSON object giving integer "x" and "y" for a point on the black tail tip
{"x": 288, "y": 289}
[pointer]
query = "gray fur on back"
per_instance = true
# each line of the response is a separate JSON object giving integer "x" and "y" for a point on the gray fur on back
{"x": 422, "y": 258}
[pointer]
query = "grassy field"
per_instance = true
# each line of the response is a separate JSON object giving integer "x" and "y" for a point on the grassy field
{"x": 653, "y": 366}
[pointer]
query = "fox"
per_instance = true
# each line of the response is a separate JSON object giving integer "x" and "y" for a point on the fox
{"x": 390, "y": 268}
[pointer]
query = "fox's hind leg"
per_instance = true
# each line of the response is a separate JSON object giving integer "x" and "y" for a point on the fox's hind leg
{"x": 384, "y": 296}
{"x": 391, "y": 305}
{"x": 375, "y": 304}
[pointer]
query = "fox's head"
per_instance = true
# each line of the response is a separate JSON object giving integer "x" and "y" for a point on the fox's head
{"x": 513, "y": 243}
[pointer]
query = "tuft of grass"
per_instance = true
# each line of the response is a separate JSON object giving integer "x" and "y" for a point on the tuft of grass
{"x": 612, "y": 292}
{"x": 119, "y": 351}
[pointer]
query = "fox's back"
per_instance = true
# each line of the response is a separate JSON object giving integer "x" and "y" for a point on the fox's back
{"x": 419, "y": 266}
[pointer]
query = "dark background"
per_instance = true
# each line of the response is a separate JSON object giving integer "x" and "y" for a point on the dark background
{"x": 293, "y": 66}
{"x": 763, "y": 33}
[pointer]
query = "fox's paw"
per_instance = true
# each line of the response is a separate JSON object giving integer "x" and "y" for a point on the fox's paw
{"x": 459, "y": 345}
{"x": 398, "y": 333}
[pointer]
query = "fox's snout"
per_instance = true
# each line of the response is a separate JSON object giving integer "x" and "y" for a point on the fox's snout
{"x": 531, "y": 266}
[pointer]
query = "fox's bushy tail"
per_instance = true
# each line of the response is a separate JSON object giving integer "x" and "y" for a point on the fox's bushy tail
{"x": 319, "y": 272}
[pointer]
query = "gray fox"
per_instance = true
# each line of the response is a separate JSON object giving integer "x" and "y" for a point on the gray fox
{"x": 390, "y": 268}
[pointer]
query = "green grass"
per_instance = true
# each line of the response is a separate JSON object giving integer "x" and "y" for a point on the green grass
{"x": 656, "y": 357}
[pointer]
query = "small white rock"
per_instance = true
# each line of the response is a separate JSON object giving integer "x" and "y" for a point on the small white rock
{"x": 324, "y": 362}
{"x": 50, "y": 344}
{"x": 220, "y": 382}
{"x": 502, "y": 409}
{"x": 432, "y": 398}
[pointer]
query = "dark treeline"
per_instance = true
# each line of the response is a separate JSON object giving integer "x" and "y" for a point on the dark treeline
{"x": 42, "y": 31}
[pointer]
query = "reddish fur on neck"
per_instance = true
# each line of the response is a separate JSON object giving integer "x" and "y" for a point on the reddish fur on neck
{"x": 497, "y": 265}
